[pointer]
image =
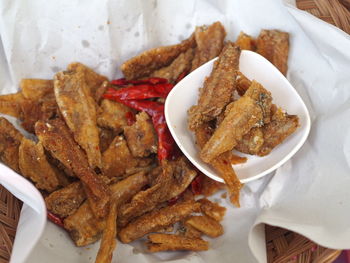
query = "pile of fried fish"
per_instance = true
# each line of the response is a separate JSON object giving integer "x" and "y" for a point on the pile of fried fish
{"x": 99, "y": 173}
{"x": 234, "y": 112}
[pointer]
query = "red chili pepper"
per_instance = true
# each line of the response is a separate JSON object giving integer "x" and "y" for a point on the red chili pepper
{"x": 55, "y": 219}
{"x": 166, "y": 142}
{"x": 120, "y": 82}
{"x": 196, "y": 185}
{"x": 143, "y": 91}
{"x": 164, "y": 88}
{"x": 123, "y": 81}
{"x": 134, "y": 98}
{"x": 150, "y": 107}
{"x": 130, "y": 118}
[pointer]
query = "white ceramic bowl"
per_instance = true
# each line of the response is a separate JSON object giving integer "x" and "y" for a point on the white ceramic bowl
{"x": 254, "y": 66}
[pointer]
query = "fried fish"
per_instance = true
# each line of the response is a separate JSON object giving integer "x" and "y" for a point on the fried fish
{"x": 78, "y": 109}
{"x": 147, "y": 62}
{"x": 57, "y": 139}
{"x": 180, "y": 65}
{"x": 141, "y": 136}
{"x": 245, "y": 42}
{"x": 84, "y": 227}
{"x": 67, "y": 200}
{"x": 217, "y": 89}
{"x": 173, "y": 180}
{"x": 156, "y": 220}
{"x": 34, "y": 165}
{"x": 274, "y": 46}
{"x": 169, "y": 242}
{"x": 240, "y": 117}
{"x": 10, "y": 140}
{"x": 210, "y": 41}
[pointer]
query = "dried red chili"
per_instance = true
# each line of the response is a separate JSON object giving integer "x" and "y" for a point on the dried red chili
{"x": 123, "y": 81}
{"x": 150, "y": 107}
{"x": 139, "y": 92}
{"x": 166, "y": 142}
{"x": 134, "y": 96}
{"x": 55, "y": 219}
{"x": 196, "y": 185}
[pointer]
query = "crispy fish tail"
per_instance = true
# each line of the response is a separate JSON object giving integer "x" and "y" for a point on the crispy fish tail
{"x": 169, "y": 242}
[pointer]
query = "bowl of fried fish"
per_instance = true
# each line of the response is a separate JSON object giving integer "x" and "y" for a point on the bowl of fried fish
{"x": 237, "y": 118}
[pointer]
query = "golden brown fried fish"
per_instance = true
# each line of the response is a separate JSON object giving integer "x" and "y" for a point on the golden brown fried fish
{"x": 169, "y": 242}
{"x": 180, "y": 65}
{"x": 106, "y": 138}
{"x": 57, "y": 139}
{"x": 217, "y": 90}
{"x": 112, "y": 115}
{"x": 156, "y": 220}
{"x": 11, "y": 104}
{"x": 245, "y": 42}
{"x": 67, "y": 200}
{"x": 35, "y": 166}
{"x": 281, "y": 126}
{"x": 108, "y": 240}
{"x": 212, "y": 209}
{"x": 274, "y": 46}
{"x": 10, "y": 140}
{"x": 174, "y": 179}
{"x": 78, "y": 108}
{"x": 36, "y": 89}
{"x": 83, "y": 226}
{"x": 117, "y": 159}
{"x": 206, "y": 225}
{"x": 153, "y": 59}
{"x": 210, "y": 41}
{"x": 93, "y": 80}
{"x": 242, "y": 83}
{"x": 141, "y": 136}
{"x": 241, "y": 115}
{"x": 261, "y": 140}
{"x": 251, "y": 142}
{"x": 223, "y": 165}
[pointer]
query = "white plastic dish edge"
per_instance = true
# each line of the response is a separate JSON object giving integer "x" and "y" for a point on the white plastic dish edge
{"x": 254, "y": 66}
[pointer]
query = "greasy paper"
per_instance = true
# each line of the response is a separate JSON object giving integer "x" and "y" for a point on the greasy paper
{"x": 309, "y": 194}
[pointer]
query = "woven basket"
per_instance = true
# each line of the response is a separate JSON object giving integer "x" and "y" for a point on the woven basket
{"x": 336, "y": 12}
{"x": 282, "y": 245}
{"x": 10, "y": 208}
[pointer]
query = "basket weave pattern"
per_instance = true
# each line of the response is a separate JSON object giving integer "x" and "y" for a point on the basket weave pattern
{"x": 336, "y": 12}
{"x": 285, "y": 246}
{"x": 9, "y": 215}
{"x": 282, "y": 245}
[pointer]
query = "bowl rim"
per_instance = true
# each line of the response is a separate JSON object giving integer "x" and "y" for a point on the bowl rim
{"x": 293, "y": 151}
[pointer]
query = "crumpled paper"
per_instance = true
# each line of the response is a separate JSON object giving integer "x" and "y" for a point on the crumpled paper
{"x": 309, "y": 194}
